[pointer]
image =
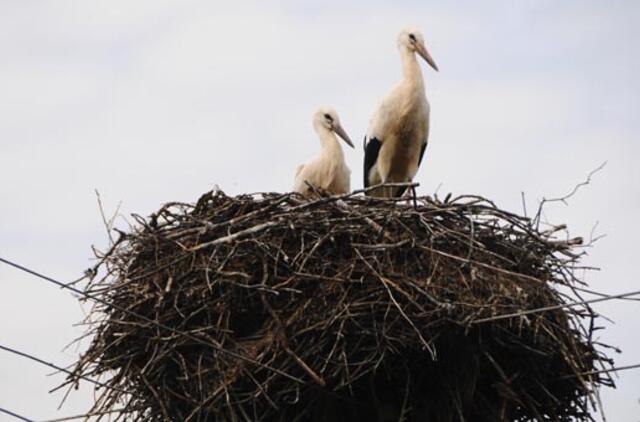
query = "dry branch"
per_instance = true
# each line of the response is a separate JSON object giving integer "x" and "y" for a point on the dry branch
{"x": 341, "y": 309}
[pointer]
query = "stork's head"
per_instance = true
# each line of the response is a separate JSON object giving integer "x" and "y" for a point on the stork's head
{"x": 327, "y": 118}
{"x": 411, "y": 40}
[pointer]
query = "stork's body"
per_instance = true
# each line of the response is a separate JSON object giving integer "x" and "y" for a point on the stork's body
{"x": 399, "y": 129}
{"x": 328, "y": 171}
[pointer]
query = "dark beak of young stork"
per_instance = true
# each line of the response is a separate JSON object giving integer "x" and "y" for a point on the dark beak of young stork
{"x": 422, "y": 51}
{"x": 339, "y": 130}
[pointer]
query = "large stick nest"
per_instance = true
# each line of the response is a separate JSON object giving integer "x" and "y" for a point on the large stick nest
{"x": 268, "y": 308}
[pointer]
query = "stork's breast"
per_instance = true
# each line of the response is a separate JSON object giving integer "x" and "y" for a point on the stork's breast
{"x": 400, "y": 152}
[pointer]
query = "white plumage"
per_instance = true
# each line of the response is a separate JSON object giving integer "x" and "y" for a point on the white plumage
{"x": 399, "y": 129}
{"x": 328, "y": 171}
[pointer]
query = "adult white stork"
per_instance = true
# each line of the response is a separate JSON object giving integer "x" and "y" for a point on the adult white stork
{"x": 398, "y": 131}
{"x": 327, "y": 171}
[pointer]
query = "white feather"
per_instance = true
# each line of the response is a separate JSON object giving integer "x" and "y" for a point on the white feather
{"x": 401, "y": 121}
{"x": 328, "y": 171}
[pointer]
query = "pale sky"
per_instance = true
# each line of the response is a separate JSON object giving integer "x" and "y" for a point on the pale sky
{"x": 160, "y": 100}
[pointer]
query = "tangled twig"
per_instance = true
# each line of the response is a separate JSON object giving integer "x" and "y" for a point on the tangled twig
{"x": 381, "y": 308}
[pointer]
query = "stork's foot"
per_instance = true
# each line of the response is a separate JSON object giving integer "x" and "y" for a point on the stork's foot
{"x": 414, "y": 197}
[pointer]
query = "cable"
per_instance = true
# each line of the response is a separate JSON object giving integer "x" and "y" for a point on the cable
{"x": 593, "y": 292}
{"x": 554, "y": 307}
{"x": 86, "y": 415}
{"x": 15, "y": 415}
{"x": 151, "y": 321}
{"x": 620, "y": 368}
{"x": 238, "y": 356}
{"x": 602, "y": 371}
{"x": 51, "y": 365}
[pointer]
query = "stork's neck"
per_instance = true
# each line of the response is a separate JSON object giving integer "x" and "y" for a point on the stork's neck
{"x": 412, "y": 75}
{"x": 329, "y": 141}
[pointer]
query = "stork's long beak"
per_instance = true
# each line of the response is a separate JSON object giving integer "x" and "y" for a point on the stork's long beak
{"x": 341, "y": 133}
{"x": 422, "y": 50}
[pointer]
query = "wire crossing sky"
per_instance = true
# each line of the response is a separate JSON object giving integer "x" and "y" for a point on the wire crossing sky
{"x": 15, "y": 415}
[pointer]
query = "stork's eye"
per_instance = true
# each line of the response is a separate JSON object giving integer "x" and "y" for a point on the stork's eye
{"x": 328, "y": 117}
{"x": 412, "y": 37}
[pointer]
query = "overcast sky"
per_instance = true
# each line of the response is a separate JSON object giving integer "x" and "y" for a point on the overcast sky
{"x": 151, "y": 101}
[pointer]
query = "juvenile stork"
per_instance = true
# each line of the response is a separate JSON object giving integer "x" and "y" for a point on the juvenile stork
{"x": 328, "y": 170}
{"x": 398, "y": 130}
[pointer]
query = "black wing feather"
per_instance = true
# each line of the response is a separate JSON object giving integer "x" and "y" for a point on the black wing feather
{"x": 424, "y": 146}
{"x": 371, "y": 150}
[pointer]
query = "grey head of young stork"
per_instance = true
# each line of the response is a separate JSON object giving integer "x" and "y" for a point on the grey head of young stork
{"x": 399, "y": 129}
{"x": 328, "y": 170}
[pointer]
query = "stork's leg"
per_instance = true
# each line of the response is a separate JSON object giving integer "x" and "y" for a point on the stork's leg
{"x": 386, "y": 191}
{"x": 414, "y": 196}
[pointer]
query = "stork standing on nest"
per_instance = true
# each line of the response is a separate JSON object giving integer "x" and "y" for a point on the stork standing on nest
{"x": 398, "y": 131}
{"x": 327, "y": 171}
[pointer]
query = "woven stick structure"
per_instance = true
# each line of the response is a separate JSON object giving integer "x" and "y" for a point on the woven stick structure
{"x": 269, "y": 308}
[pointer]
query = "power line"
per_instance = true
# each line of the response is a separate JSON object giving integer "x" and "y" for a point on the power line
{"x": 51, "y": 365}
{"x": 15, "y": 415}
{"x": 602, "y": 371}
{"x": 149, "y": 320}
{"x": 86, "y": 415}
{"x": 593, "y": 292}
{"x": 236, "y": 355}
{"x": 554, "y": 307}
{"x": 620, "y": 368}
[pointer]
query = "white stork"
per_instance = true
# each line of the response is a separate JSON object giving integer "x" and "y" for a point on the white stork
{"x": 328, "y": 170}
{"x": 398, "y": 131}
